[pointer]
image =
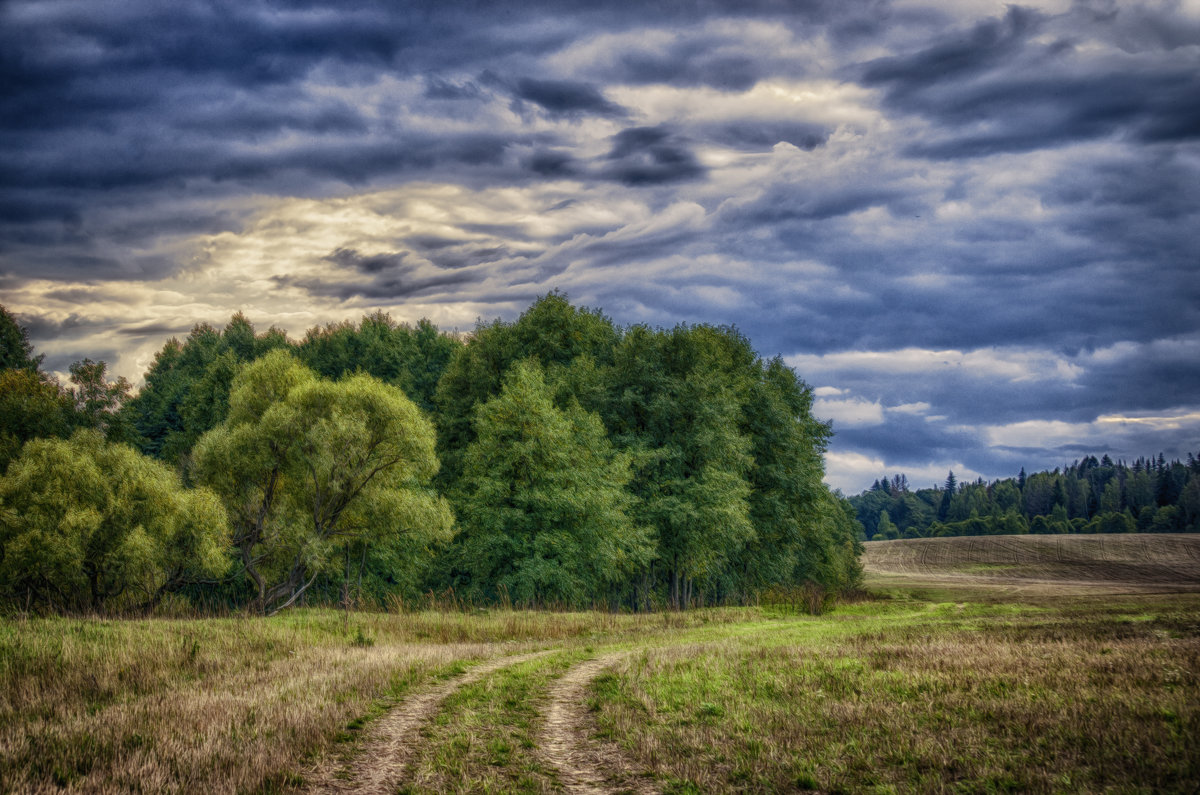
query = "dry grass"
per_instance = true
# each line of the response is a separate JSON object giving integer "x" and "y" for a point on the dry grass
{"x": 1082, "y": 696}
{"x": 1147, "y": 563}
{"x": 238, "y": 704}
{"x": 1082, "y": 693}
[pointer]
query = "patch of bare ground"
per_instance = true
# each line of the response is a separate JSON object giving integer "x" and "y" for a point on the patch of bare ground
{"x": 1141, "y": 563}
{"x": 585, "y": 765}
{"x": 379, "y": 764}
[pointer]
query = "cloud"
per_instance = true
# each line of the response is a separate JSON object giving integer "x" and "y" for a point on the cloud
{"x": 951, "y": 219}
{"x": 566, "y": 97}
{"x": 853, "y": 412}
{"x": 650, "y": 156}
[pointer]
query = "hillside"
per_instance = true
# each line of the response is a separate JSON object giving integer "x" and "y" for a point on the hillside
{"x": 1148, "y": 561}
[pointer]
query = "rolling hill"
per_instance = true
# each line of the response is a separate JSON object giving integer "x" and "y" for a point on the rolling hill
{"x": 1149, "y": 562}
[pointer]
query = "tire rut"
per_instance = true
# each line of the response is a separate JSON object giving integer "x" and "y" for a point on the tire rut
{"x": 585, "y": 767}
{"x": 379, "y": 765}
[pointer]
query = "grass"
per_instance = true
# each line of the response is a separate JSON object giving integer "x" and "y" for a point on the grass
{"x": 923, "y": 697}
{"x": 238, "y": 704}
{"x": 931, "y": 686}
{"x": 484, "y": 739}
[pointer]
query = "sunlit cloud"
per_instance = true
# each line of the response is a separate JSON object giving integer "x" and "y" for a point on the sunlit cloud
{"x": 971, "y": 226}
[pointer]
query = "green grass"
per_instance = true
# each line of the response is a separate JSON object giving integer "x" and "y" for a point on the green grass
{"x": 936, "y": 689}
{"x": 936, "y": 697}
{"x": 484, "y": 737}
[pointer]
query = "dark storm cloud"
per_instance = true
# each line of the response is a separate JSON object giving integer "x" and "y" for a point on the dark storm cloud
{"x": 567, "y": 97}
{"x": 1027, "y": 113}
{"x": 900, "y": 435}
{"x": 983, "y": 47}
{"x": 1026, "y": 184}
{"x": 992, "y": 88}
{"x": 651, "y": 156}
{"x": 761, "y": 136}
{"x": 690, "y": 62}
{"x": 350, "y": 258}
{"x": 553, "y": 164}
{"x": 154, "y": 329}
{"x": 386, "y": 287}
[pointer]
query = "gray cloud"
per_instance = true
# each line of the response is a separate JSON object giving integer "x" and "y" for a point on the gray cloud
{"x": 1025, "y": 184}
{"x": 566, "y": 97}
{"x": 651, "y": 156}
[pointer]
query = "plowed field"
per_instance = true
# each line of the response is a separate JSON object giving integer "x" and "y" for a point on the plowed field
{"x": 1126, "y": 563}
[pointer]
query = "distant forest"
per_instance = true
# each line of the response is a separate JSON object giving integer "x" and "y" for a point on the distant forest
{"x": 556, "y": 460}
{"x": 1150, "y": 495}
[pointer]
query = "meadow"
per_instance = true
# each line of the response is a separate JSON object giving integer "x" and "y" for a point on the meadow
{"x": 966, "y": 683}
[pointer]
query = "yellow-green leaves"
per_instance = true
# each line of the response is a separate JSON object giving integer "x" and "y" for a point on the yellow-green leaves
{"x": 309, "y": 467}
{"x": 90, "y": 525}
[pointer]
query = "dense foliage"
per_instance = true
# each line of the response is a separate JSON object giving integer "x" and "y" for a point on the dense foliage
{"x": 86, "y": 524}
{"x": 554, "y": 460}
{"x": 1151, "y": 495}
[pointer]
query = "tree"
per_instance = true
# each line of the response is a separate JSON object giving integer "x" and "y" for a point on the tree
{"x": 31, "y": 407}
{"x": 187, "y": 387}
{"x": 886, "y": 531}
{"x": 573, "y": 346}
{"x": 410, "y": 358}
{"x": 543, "y": 509}
{"x": 677, "y": 408}
{"x": 796, "y": 527}
{"x": 90, "y": 525}
{"x": 16, "y": 352}
{"x": 309, "y": 468}
{"x": 98, "y": 401}
{"x": 947, "y": 496}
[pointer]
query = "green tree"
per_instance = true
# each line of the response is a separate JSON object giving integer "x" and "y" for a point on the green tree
{"x": 796, "y": 526}
{"x": 948, "y": 493}
{"x": 16, "y": 352}
{"x": 543, "y": 509}
{"x": 677, "y": 406}
{"x": 186, "y": 389}
{"x": 311, "y": 469}
{"x": 573, "y": 345}
{"x": 98, "y": 401}
{"x": 31, "y": 407}
{"x": 90, "y": 525}
{"x": 411, "y": 358}
{"x": 886, "y": 530}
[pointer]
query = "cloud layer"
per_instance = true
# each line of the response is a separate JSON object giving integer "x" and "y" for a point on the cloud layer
{"x": 973, "y": 225}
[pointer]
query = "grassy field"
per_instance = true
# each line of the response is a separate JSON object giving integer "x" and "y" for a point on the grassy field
{"x": 958, "y": 684}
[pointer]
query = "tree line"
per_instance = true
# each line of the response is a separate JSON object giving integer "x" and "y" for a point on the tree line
{"x": 1092, "y": 495}
{"x": 555, "y": 460}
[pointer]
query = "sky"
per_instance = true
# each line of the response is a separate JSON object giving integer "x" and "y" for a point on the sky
{"x": 972, "y": 227}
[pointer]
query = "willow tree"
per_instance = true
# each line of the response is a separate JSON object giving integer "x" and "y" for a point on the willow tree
{"x": 87, "y": 525}
{"x": 310, "y": 469}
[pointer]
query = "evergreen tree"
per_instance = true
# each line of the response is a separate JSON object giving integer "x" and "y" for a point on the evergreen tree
{"x": 948, "y": 493}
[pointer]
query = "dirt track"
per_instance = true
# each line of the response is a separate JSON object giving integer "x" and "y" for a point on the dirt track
{"x": 379, "y": 765}
{"x": 585, "y": 767}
